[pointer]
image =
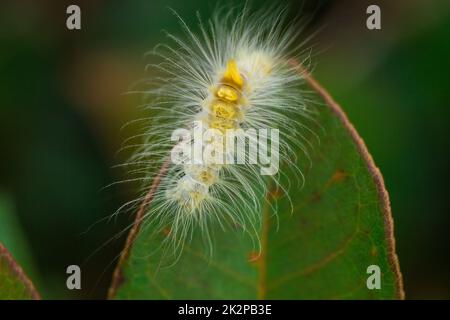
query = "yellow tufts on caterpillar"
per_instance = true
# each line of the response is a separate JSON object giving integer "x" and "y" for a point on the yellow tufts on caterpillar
{"x": 206, "y": 175}
{"x": 232, "y": 74}
{"x": 196, "y": 199}
{"x": 227, "y": 93}
{"x": 224, "y": 110}
{"x": 223, "y": 124}
{"x": 189, "y": 193}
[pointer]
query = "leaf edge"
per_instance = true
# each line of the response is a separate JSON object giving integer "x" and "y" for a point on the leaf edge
{"x": 374, "y": 171}
{"x": 18, "y": 271}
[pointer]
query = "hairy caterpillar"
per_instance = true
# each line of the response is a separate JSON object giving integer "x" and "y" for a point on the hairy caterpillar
{"x": 233, "y": 76}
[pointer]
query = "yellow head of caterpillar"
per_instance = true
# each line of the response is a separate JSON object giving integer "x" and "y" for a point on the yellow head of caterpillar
{"x": 225, "y": 107}
{"x": 232, "y": 74}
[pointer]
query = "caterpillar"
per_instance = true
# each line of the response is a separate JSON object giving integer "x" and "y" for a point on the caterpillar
{"x": 232, "y": 78}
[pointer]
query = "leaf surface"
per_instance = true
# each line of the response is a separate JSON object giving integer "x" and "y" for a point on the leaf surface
{"x": 340, "y": 225}
{"x": 14, "y": 284}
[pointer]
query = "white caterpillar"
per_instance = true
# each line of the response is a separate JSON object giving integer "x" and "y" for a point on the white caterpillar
{"x": 235, "y": 74}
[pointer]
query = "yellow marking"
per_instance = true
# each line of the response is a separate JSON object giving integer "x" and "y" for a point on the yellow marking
{"x": 227, "y": 93}
{"x": 223, "y": 124}
{"x": 223, "y": 110}
{"x": 232, "y": 74}
{"x": 207, "y": 177}
{"x": 196, "y": 198}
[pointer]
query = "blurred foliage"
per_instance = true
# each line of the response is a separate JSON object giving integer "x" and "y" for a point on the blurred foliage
{"x": 62, "y": 109}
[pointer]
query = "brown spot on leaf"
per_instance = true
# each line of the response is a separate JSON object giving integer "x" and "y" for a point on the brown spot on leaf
{"x": 337, "y": 177}
{"x": 166, "y": 231}
{"x": 316, "y": 196}
{"x": 276, "y": 193}
{"x": 374, "y": 251}
{"x": 303, "y": 221}
{"x": 254, "y": 257}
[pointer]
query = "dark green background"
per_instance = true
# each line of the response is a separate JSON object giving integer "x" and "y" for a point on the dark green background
{"x": 62, "y": 108}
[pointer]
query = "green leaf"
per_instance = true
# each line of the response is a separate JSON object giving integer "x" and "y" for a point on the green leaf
{"x": 14, "y": 284}
{"x": 341, "y": 224}
{"x": 11, "y": 234}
